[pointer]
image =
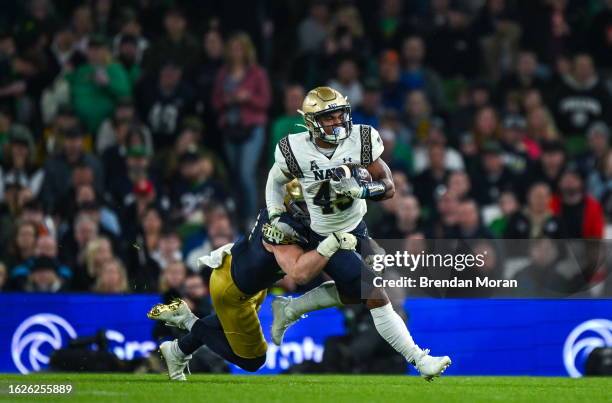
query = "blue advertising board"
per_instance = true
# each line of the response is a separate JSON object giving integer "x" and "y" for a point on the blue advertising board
{"x": 483, "y": 337}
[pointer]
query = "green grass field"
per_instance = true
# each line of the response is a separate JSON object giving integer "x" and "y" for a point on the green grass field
{"x": 311, "y": 389}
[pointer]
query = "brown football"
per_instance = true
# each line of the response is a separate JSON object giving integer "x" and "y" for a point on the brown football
{"x": 356, "y": 171}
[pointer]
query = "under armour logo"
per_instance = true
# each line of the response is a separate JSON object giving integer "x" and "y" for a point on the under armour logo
{"x": 314, "y": 166}
{"x": 346, "y": 160}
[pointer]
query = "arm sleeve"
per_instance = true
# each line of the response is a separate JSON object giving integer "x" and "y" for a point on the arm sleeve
{"x": 377, "y": 144}
{"x": 274, "y": 190}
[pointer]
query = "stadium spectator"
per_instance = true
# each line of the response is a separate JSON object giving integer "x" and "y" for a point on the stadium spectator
{"x": 536, "y": 219}
{"x": 598, "y": 137}
{"x": 418, "y": 116}
{"x": 550, "y": 165}
{"x": 164, "y": 101}
{"x": 313, "y": 30}
{"x": 177, "y": 45}
{"x": 46, "y": 246}
{"x": 393, "y": 90}
{"x": 241, "y": 96}
{"x": 111, "y": 279}
{"x": 23, "y": 245}
{"x": 452, "y": 48}
{"x": 459, "y": 184}
{"x": 492, "y": 177}
{"x": 541, "y": 277}
{"x": 416, "y": 76}
{"x": 580, "y": 215}
{"x": 97, "y": 85}
{"x": 206, "y": 72}
{"x": 600, "y": 183}
{"x": 194, "y": 186}
{"x": 130, "y": 26}
{"x": 407, "y": 219}
{"x": 43, "y": 277}
{"x": 171, "y": 280}
{"x": 499, "y": 34}
{"x": 370, "y": 110}
{"x": 220, "y": 232}
{"x": 346, "y": 80}
{"x": 74, "y": 244}
{"x": 581, "y": 98}
{"x": 18, "y": 166}
{"x": 515, "y": 144}
{"x": 97, "y": 252}
{"x": 63, "y": 166}
{"x": 128, "y": 58}
{"x": 453, "y": 160}
{"x": 599, "y": 40}
{"x": 444, "y": 223}
{"x": 168, "y": 249}
{"x": 288, "y": 122}
{"x": 508, "y": 205}
{"x": 195, "y": 293}
{"x": 114, "y": 130}
{"x": 432, "y": 181}
{"x": 143, "y": 269}
{"x": 470, "y": 221}
{"x": 524, "y": 76}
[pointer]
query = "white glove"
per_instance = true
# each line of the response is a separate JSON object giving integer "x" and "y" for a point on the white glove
{"x": 335, "y": 241}
{"x": 347, "y": 187}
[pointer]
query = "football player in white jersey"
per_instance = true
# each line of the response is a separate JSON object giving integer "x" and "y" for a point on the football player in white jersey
{"x": 338, "y": 204}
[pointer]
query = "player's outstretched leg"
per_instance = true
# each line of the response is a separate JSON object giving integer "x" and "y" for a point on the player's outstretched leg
{"x": 176, "y": 360}
{"x": 289, "y": 310}
{"x": 208, "y": 331}
{"x": 176, "y": 314}
{"x": 393, "y": 329}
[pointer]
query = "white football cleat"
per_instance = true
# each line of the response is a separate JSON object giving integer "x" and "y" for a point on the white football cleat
{"x": 175, "y": 362}
{"x": 176, "y": 314}
{"x": 430, "y": 367}
{"x": 282, "y": 318}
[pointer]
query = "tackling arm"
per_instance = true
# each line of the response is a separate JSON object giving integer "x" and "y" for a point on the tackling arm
{"x": 300, "y": 266}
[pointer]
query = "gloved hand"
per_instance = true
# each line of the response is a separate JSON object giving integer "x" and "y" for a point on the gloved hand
{"x": 348, "y": 187}
{"x": 290, "y": 234}
{"x": 335, "y": 241}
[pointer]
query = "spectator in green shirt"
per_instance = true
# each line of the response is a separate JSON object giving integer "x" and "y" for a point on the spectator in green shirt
{"x": 98, "y": 85}
{"x": 289, "y": 121}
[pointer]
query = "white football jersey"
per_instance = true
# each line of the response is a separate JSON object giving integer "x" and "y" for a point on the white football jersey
{"x": 297, "y": 155}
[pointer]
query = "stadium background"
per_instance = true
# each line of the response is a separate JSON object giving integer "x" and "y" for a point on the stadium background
{"x": 135, "y": 135}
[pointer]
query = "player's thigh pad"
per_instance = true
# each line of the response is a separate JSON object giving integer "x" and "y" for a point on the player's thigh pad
{"x": 237, "y": 313}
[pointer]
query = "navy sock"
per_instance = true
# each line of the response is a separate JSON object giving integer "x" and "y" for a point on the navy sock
{"x": 208, "y": 331}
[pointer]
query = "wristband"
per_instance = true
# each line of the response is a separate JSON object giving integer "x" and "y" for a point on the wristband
{"x": 374, "y": 190}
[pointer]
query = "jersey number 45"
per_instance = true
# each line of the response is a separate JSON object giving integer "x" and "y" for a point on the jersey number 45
{"x": 323, "y": 200}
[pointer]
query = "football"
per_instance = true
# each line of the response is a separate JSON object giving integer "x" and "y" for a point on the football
{"x": 356, "y": 171}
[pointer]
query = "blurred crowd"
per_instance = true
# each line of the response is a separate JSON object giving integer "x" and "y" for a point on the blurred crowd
{"x": 136, "y": 135}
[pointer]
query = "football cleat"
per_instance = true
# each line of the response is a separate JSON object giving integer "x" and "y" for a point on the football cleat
{"x": 282, "y": 318}
{"x": 175, "y": 362}
{"x": 176, "y": 314}
{"x": 430, "y": 367}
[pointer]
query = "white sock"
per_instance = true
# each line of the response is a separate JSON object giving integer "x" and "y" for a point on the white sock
{"x": 324, "y": 296}
{"x": 189, "y": 322}
{"x": 176, "y": 349}
{"x": 393, "y": 329}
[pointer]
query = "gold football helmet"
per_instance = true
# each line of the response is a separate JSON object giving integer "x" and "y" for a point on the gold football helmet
{"x": 321, "y": 101}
